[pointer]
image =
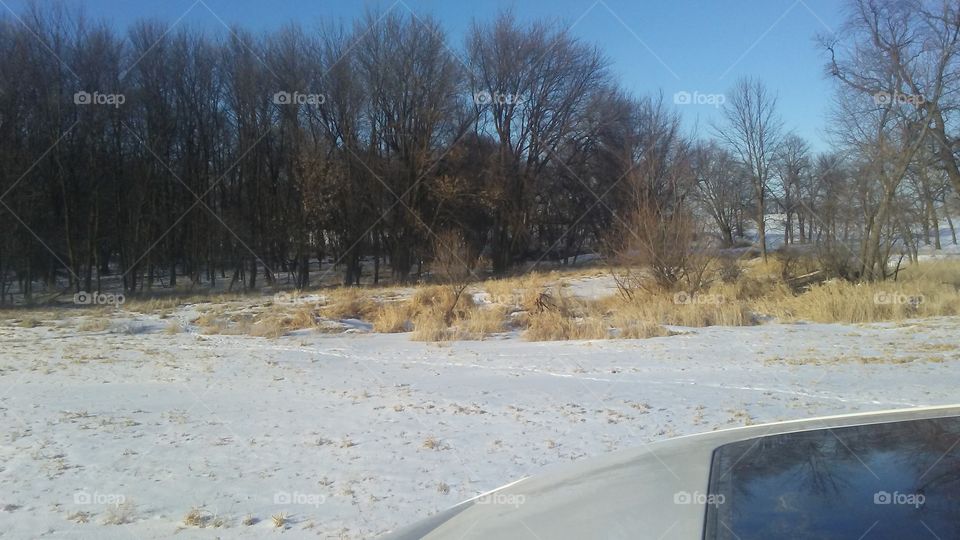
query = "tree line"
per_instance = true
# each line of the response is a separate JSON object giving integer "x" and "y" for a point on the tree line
{"x": 158, "y": 156}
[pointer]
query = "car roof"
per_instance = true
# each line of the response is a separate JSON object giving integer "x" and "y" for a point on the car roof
{"x": 651, "y": 491}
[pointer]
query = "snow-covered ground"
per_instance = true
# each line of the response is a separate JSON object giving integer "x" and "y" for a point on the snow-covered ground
{"x": 351, "y": 435}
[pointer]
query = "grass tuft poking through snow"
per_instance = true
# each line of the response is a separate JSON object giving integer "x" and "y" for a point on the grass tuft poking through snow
{"x": 120, "y": 514}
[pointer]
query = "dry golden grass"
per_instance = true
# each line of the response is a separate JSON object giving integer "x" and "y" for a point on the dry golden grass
{"x": 196, "y": 517}
{"x": 840, "y": 301}
{"x": 554, "y": 316}
{"x": 301, "y": 317}
{"x": 276, "y": 323}
{"x": 933, "y": 273}
{"x": 98, "y": 324}
{"x": 163, "y": 304}
{"x": 749, "y": 287}
{"x": 705, "y": 309}
{"x": 936, "y": 347}
{"x": 849, "y": 359}
{"x": 79, "y": 517}
{"x": 30, "y": 322}
{"x": 771, "y": 268}
{"x": 393, "y": 317}
{"x": 172, "y": 328}
{"x": 349, "y": 303}
{"x": 226, "y": 324}
{"x": 434, "y": 297}
{"x": 213, "y": 327}
{"x": 436, "y": 318}
{"x": 482, "y": 321}
{"x": 211, "y": 323}
{"x": 924, "y": 290}
{"x": 556, "y": 326}
{"x": 632, "y": 329}
{"x": 268, "y": 321}
{"x": 432, "y": 443}
{"x": 538, "y": 304}
{"x": 429, "y": 325}
{"x": 166, "y": 304}
{"x": 210, "y": 320}
{"x": 520, "y": 292}
{"x": 547, "y": 313}
{"x": 120, "y": 514}
{"x": 272, "y": 327}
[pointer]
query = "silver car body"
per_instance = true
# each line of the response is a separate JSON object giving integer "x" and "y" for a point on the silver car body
{"x": 655, "y": 491}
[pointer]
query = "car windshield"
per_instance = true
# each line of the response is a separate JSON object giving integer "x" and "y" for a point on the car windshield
{"x": 892, "y": 480}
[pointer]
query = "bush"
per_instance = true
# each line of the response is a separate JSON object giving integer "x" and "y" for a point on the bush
{"x": 662, "y": 241}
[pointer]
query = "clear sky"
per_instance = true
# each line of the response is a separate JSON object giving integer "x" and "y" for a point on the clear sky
{"x": 654, "y": 45}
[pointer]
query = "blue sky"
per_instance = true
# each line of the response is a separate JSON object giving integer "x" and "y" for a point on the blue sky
{"x": 683, "y": 45}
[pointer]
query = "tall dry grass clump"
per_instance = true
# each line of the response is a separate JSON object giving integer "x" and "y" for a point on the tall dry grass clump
{"x": 448, "y": 311}
{"x": 433, "y": 310}
{"x": 482, "y": 321}
{"x": 679, "y": 309}
{"x": 272, "y": 322}
{"x": 842, "y": 301}
{"x": 517, "y": 292}
{"x": 393, "y": 317}
{"x": 926, "y": 289}
{"x": 468, "y": 320}
{"x": 431, "y": 326}
{"x": 556, "y": 326}
{"x": 349, "y": 303}
{"x": 554, "y": 316}
{"x": 634, "y": 329}
{"x": 932, "y": 273}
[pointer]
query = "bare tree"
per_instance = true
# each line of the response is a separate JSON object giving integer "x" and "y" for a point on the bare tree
{"x": 722, "y": 189}
{"x": 530, "y": 85}
{"x": 412, "y": 81}
{"x": 753, "y": 132}
{"x": 881, "y": 116}
{"x": 906, "y": 52}
{"x": 791, "y": 165}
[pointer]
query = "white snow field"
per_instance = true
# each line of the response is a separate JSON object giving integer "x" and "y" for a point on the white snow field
{"x": 120, "y": 433}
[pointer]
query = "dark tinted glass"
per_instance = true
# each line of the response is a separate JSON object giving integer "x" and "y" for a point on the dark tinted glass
{"x": 895, "y": 480}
